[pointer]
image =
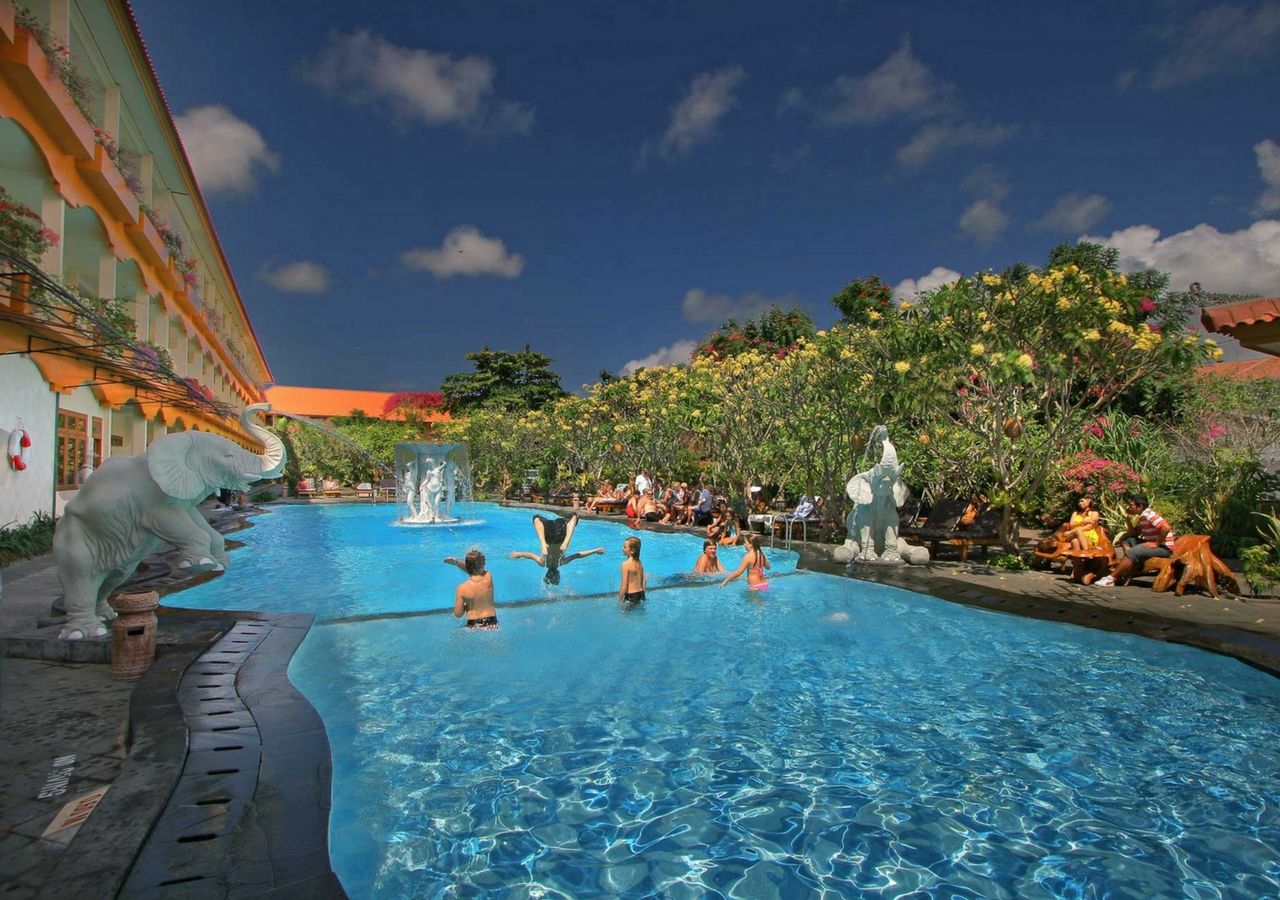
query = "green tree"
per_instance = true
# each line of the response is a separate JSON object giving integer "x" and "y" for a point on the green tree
{"x": 777, "y": 332}
{"x": 861, "y": 298}
{"x": 515, "y": 382}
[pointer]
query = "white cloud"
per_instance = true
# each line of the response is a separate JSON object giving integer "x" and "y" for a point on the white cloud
{"x": 1220, "y": 38}
{"x": 225, "y": 152}
{"x": 694, "y": 119}
{"x": 302, "y": 277}
{"x": 1074, "y": 212}
{"x": 901, "y": 86}
{"x": 700, "y": 306}
{"x": 1125, "y": 79}
{"x": 423, "y": 85}
{"x": 1268, "y": 154}
{"x": 792, "y": 98}
{"x": 984, "y": 221}
{"x": 908, "y": 288}
{"x": 1238, "y": 262}
{"x": 679, "y": 352}
{"x": 932, "y": 139}
{"x": 466, "y": 251}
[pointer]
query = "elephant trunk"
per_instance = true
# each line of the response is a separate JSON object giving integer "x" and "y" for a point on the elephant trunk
{"x": 272, "y": 462}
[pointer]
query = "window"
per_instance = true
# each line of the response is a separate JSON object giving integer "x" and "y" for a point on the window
{"x": 73, "y": 438}
{"x": 97, "y": 442}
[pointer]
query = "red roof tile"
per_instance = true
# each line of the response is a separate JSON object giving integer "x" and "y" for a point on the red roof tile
{"x": 1244, "y": 369}
{"x": 1223, "y": 319}
{"x": 324, "y": 403}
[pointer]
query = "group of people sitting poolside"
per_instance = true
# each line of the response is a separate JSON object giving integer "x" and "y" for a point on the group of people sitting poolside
{"x": 1148, "y": 536}
{"x": 474, "y": 598}
{"x": 673, "y": 504}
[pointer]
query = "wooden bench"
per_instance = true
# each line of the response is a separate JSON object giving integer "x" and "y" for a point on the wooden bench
{"x": 1089, "y": 565}
{"x": 611, "y": 507}
{"x": 1192, "y": 565}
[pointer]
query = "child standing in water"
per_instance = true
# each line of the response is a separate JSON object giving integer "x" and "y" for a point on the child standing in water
{"x": 474, "y": 597}
{"x": 631, "y": 591}
{"x": 753, "y": 563}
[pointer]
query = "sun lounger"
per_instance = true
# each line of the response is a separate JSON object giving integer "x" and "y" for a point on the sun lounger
{"x": 366, "y": 491}
{"x": 332, "y": 488}
{"x": 306, "y": 489}
{"x": 387, "y": 488}
{"x": 943, "y": 519}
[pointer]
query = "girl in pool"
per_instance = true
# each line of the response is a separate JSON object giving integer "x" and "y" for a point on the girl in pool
{"x": 474, "y": 597}
{"x": 709, "y": 561}
{"x": 631, "y": 591}
{"x": 753, "y": 563}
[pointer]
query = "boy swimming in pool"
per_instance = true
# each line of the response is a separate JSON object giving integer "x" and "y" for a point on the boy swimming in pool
{"x": 631, "y": 590}
{"x": 554, "y": 536}
{"x": 474, "y": 597}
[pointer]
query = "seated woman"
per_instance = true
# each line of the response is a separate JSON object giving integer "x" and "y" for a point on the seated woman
{"x": 719, "y": 521}
{"x": 606, "y": 493}
{"x": 732, "y": 531}
{"x": 1081, "y": 530}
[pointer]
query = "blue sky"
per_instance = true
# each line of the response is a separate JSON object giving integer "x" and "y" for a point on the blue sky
{"x": 396, "y": 184}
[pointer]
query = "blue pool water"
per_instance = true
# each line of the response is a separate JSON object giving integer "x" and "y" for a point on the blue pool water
{"x": 354, "y": 560}
{"x": 827, "y": 738}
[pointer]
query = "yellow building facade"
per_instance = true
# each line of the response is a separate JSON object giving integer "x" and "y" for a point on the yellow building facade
{"x": 90, "y": 156}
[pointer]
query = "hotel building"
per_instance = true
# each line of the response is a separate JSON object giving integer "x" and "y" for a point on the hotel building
{"x": 129, "y": 324}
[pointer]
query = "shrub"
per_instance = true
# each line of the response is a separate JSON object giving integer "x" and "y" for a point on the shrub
{"x": 27, "y": 541}
{"x": 1262, "y": 561}
{"x": 1014, "y": 561}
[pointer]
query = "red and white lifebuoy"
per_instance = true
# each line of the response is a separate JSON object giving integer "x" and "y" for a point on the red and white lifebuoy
{"x": 19, "y": 448}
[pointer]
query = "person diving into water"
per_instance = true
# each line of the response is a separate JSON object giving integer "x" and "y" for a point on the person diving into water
{"x": 553, "y": 537}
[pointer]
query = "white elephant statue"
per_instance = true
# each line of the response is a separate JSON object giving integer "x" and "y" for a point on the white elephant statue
{"x": 876, "y": 494}
{"x": 134, "y": 505}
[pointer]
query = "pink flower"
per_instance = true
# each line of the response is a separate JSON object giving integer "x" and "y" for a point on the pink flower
{"x": 1147, "y": 305}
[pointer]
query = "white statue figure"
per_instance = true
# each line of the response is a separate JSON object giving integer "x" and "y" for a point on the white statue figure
{"x": 134, "y": 505}
{"x": 410, "y": 490}
{"x": 873, "y": 522}
{"x": 450, "y": 487}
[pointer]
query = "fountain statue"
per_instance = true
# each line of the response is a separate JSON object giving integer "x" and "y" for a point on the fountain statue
{"x": 873, "y": 522}
{"x": 432, "y": 478}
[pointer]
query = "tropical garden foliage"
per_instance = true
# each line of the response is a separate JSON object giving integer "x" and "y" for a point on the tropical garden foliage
{"x": 1023, "y": 387}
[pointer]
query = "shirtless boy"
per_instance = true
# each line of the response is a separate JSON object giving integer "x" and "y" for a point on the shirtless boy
{"x": 553, "y": 537}
{"x": 474, "y": 597}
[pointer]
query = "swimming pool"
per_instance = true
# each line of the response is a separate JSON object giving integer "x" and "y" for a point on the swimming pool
{"x": 347, "y": 560}
{"x": 827, "y": 738}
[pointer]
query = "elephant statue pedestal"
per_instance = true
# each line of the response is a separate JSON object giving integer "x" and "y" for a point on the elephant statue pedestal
{"x": 908, "y": 554}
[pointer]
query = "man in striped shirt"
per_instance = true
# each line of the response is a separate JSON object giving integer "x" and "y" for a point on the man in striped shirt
{"x": 1148, "y": 537}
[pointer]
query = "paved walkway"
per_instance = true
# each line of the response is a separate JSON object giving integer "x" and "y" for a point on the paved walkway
{"x": 69, "y": 730}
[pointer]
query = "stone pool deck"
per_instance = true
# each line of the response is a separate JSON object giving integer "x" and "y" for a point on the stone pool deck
{"x": 218, "y": 770}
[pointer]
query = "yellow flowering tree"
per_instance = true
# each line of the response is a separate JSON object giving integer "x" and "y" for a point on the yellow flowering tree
{"x": 1021, "y": 360}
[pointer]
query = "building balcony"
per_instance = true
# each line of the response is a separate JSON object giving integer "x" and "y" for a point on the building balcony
{"x": 148, "y": 242}
{"x": 104, "y": 178}
{"x": 27, "y": 70}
